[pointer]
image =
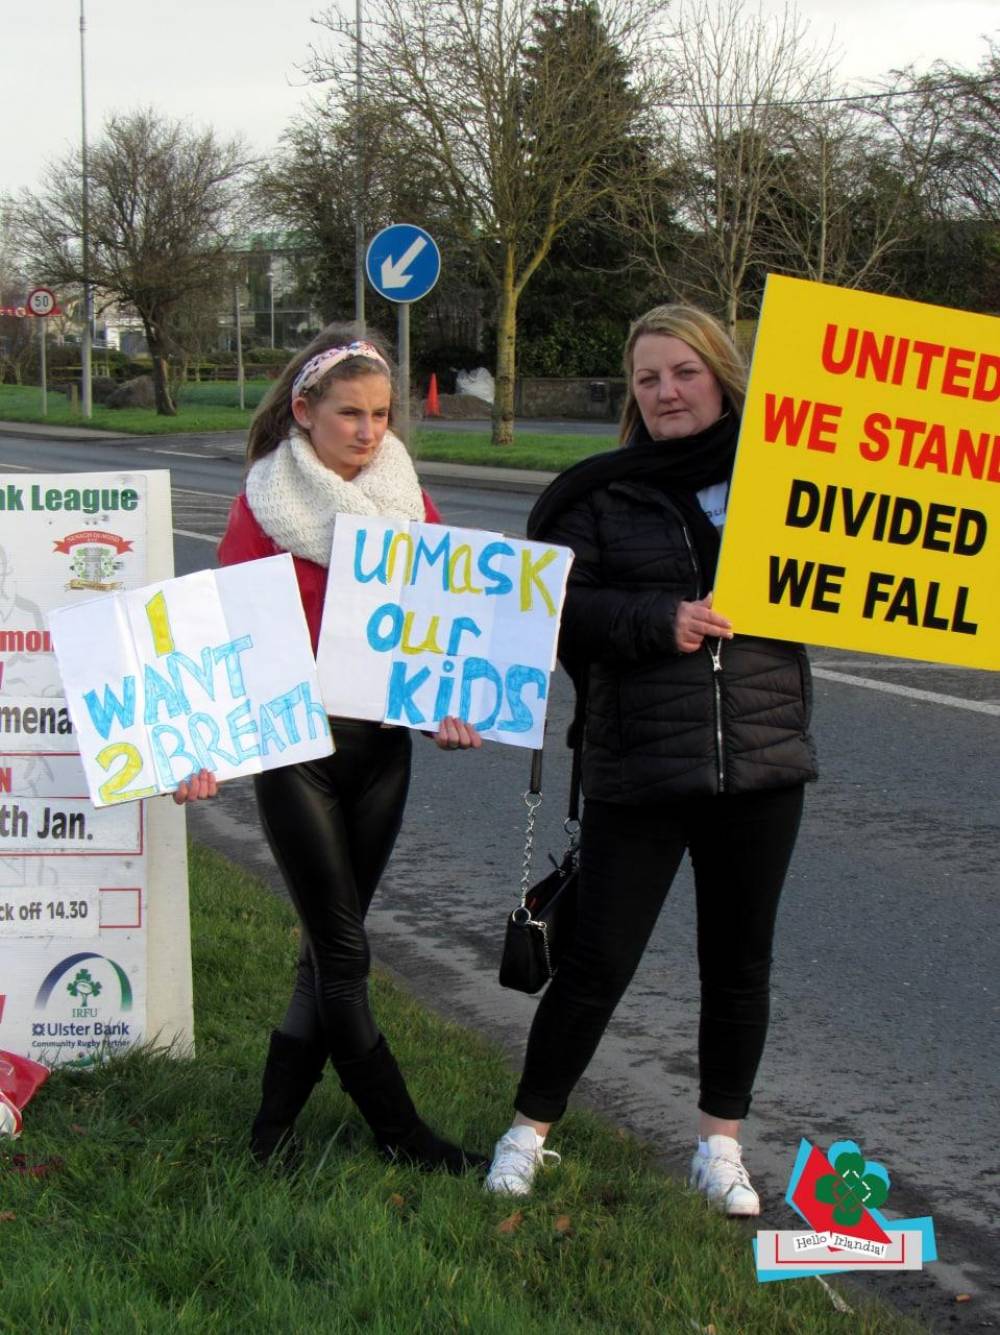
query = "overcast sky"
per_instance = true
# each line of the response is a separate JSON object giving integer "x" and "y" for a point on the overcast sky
{"x": 232, "y": 64}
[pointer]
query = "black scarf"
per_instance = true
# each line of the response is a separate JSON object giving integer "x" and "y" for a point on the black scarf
{"x": 679, "y": 468}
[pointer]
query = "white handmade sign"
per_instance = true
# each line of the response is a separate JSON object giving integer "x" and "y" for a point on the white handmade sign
{"x": 426, "y": 620}
{"x": 213, "y": 670}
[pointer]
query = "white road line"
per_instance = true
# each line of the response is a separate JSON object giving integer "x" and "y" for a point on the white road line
{"x": 202, "y": 537}
{"x": 176, "y": 454}
{"x": 911, "y": 693}
{"x": 889, "y": 665}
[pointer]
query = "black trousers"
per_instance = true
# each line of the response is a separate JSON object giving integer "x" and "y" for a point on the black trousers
{"x": 740, "y": 847}
{"x": 331, "y": 825}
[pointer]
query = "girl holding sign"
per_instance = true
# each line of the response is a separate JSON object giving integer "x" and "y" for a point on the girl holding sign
{"x": 694, "y": 740}
{"x": 321, "y": 445}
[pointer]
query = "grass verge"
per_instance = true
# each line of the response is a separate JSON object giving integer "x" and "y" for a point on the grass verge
{"x": 130, "y": 1205}
{"x": 208, "y": 407}
{"x": 531, "y": 449}
{"x": 23, "y": 403}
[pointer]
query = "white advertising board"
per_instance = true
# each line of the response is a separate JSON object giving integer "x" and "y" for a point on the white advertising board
{"x": 94, "y": 942}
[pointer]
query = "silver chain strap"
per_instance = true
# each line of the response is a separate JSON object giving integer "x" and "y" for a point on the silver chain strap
{"x": 532, "y": 801}
{"x": 522, "y": 914}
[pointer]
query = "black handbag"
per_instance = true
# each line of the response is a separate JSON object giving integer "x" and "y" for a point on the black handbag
{"x": 541, "y": 927}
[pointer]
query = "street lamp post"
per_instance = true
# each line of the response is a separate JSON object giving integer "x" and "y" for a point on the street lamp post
{"x": 86, "y": 400}
{"x": 359, "y": 220}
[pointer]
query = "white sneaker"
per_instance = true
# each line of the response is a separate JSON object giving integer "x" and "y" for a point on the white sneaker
{"x": 517, "y": 1157}
{"x": 717, "y": 1172}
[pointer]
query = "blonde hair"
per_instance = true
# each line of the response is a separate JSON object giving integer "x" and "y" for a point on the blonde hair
{"x": 701, "y": 332}
{"x": 273, "y": 419}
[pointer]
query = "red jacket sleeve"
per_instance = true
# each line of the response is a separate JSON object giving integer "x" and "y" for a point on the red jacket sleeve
{"x": 245, "y": 540}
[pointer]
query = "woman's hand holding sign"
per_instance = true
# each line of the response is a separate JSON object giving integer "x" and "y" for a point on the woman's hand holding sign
{"x": 195, "y": 786}
{"x": 454, "y": 734}
{"x": 694, "y": 621}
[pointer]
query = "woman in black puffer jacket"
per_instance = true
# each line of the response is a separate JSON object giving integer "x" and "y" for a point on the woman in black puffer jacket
{"x": 694, "y": 739}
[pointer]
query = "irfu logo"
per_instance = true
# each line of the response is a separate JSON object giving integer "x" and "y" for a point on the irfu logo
{"x": 86, "y": 989}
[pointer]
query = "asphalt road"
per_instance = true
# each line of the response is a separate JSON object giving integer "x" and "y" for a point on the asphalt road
{"x": 886, "y": 1018}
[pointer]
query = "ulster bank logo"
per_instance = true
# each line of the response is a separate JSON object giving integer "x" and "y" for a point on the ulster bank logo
{"x": 81, "y": 986}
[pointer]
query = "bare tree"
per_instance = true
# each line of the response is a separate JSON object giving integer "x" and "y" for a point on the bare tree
{"x": 953, "y": 114}
{"x": 974, "y": 138}
{"x": 163, "y": 202}
{"x": 311, "y": 188}
{"x": 16, "y": 331}
{"x": 735, "y": 73}
{"x": 519, "y": 112}
{"x": 842, "y": 198}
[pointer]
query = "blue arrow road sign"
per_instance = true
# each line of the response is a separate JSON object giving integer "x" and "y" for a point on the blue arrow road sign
{"x": 402, "y": 262}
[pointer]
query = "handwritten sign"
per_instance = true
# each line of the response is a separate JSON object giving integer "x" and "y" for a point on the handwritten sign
{"x": 426, "y": 620}
{"x": 865, "y": 503}
{"x": 213, "y": 670}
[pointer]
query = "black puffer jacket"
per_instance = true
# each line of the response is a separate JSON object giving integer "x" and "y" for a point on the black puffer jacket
{"x": 660, "y": 725}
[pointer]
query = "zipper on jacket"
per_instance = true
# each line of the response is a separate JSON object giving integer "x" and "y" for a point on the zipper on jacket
{"x": 716, "y": 657}
{"x": 694, "y": 560}
{"x": 720, "y": 755}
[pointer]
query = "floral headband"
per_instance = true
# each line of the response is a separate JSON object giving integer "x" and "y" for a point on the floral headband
{"x": 323, "y": 361}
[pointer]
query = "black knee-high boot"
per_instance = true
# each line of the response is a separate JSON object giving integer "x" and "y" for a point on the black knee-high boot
{"x": 292, "y": 1070}
{"x": 376, "y": 1085}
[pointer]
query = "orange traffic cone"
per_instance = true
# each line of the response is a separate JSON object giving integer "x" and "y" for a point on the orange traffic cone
{"x": 433, "y": 408}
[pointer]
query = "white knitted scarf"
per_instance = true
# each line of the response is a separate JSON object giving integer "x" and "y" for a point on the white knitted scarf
{"x": 296, "y": 499}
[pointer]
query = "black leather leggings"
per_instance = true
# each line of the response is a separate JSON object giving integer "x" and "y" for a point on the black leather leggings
{"x": 331, "y": 825}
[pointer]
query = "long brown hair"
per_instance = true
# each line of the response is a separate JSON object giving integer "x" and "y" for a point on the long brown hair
{"x": 273, "y": 419}
{"x": 709, "y": 340}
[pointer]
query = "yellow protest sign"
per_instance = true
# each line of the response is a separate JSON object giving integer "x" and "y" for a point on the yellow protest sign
{"x": 865, "y": 506}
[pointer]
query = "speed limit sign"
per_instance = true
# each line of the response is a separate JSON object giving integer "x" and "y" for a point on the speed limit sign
{"x": 41, "y": 301}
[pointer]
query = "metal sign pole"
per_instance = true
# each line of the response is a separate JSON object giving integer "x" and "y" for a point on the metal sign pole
{"x": 41, "y": 302}
{"x": 403, "y": 330}
{"x": 45, "y": 389}
{"x": 403, "y": 264}
{"x": 239, "y": 344}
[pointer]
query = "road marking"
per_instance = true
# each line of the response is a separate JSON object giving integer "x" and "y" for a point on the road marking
{"x": 177, "y": 454}
{"x": 911, "y": 692}
{"x": 889, "y": 665}
{"x": 202, "y": 537}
